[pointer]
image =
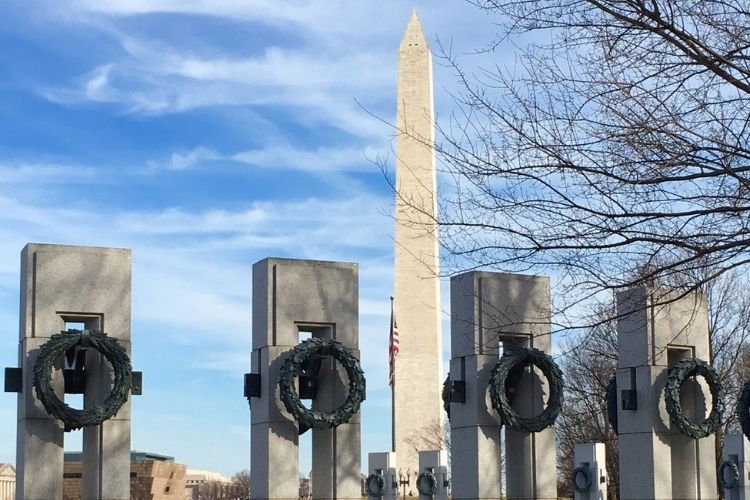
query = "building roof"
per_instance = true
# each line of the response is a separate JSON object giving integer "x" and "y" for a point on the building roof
{"x": 135, "y": 456}
{"x": 7, "y": 470}
{"x": 205, "y": 475}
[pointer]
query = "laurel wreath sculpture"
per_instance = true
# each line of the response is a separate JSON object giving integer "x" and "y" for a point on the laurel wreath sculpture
{"x": 375, "y": 485}
{"x": 743, "y": 409}
{"x": 584, "y": 474}
{"x": 611, "y": 400}
{"x": 734, "y": 478}
{"x": 500, "y": 401}
{"x": 114, "y": 353}
{"x": 446, "y": 394}
{"x": 427, "y": 483}
{"x": 294, "y": 365}
{"x": 678, "y": 374}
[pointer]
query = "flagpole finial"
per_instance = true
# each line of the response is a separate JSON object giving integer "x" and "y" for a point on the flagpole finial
{"x": 391, "y": 298}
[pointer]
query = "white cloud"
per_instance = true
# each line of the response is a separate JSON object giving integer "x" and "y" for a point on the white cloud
{"x": 188, "y": 159}
{"x": 97, "y": 84}
{"x": 323, "y": 18}
{"x": 192, "y": 269}
{"x": 323, "y": 89}
{"x": 320, "y": 159}
{"x": 328, "y": 53}
{"x": 36, "y": 173}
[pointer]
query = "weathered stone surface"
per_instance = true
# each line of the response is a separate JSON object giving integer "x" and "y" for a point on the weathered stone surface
{"x": 655, "y": 331}
{"x": 68, "y": 284}
{"x": 477, "y": 410}
{"x": 321, "y": 298}
{"x": 106, "y": 454}
{"x": 488, "y": 309}
{"x": 476, "y": 471}
{"x": 289, "y": 294}
{"x": 39, "y": 459}
{"x": 274, "y": 459}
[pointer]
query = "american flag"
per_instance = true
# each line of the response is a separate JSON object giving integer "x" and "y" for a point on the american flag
{"x": 393, "y": 348}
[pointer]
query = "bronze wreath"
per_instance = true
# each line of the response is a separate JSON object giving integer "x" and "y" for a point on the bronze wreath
{"x": 586, "y": 475}
{"x": 678, "y": 374}
{"x": 743, "y": 409}
{"x": 293, "y": 366}
{"x": 427, "y": 483}
{"x": 114, "y": 353}
{"x": 734, "y": 479}
{"x": 514, "y": 359}
{"x": 375, "y": 484}
{"x": 446, "y": 395}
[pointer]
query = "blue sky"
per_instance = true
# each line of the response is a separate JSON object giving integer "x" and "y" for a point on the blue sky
{"x": 206, "y": 135}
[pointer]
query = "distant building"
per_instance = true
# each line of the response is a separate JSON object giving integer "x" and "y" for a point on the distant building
{"x": 212, "y": 484}
{"x": 7, "y": 482}
{"x": 305, "y": 488}
{"x": 152, "y": 477}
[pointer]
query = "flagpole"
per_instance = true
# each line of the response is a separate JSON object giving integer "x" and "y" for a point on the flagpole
{"x": 393, "y": 388}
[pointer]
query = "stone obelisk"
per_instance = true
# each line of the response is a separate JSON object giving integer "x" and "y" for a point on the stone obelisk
{"x": 418, "y": 375}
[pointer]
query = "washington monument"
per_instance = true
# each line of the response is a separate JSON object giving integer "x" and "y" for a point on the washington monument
{"x": 418, "y": 371}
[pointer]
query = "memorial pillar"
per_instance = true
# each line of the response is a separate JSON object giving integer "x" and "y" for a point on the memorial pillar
{"x": 590, "y": 472}
{"x": 292, "y": 297}
{"x": 655, "y": 331}
{"x": 63, "y": 285}
{"x": 435, "y": 462}
{"x": 384, "y": 464}
{"x": 488, "y": 309}
{"x": 737, "y": 451}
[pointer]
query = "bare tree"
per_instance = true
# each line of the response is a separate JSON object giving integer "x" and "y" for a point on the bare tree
{"x": 432, "y": 437}
{"x": 619, "y": 138}
{"x": 588, "y": 367}
{"x": 220, "y": 490}
{"x": 241, "y": 483}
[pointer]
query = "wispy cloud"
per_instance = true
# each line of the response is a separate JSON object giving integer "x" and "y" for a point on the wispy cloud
{"x": 320, "y": 160}
{"x": 45, "y": 173}
{"x": 340, "y": 52}
{"x": 153, "y": 79}
{"x": 188, "y": 159}
{"x": 187, "y": 264}
{"x": 315, "y": 17}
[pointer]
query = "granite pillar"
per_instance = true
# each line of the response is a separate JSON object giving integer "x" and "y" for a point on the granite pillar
{"x": 384, "y": 463}
{"x": 737, "y": 450}
{"x": 490, "y": 310}
{"x": 655, "y": 330}
{"x": 61, "y": 285}
{"x": 592, "y": 458}
{"x": 436, "y": 462}
{"x": 291, "y": 297}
